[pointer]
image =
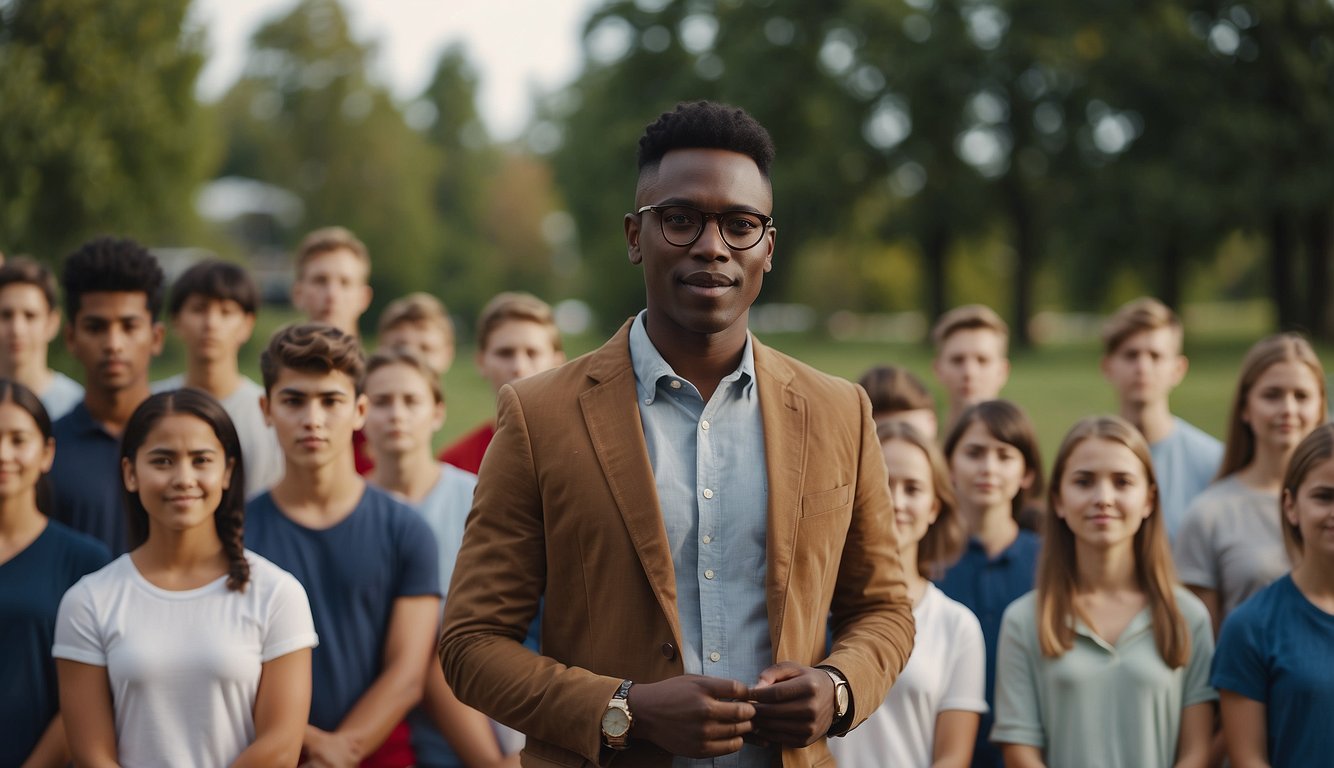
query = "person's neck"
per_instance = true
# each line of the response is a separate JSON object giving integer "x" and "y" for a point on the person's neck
{"x": 410, "y": 475}
{"x": 320, "y": 495}
{"x": 182, "y": 555}
{"x": 703, "y": 359}
{"x": 1265, "y": 472}
{"x": 1314, "y": 577}
{"x": 219, "y": 378}
{"x": 1105, "y": 569}
{"x": 32, "y": 373}
{"x": 911, "y": 578}
{"x": 20, "y": 520}
{"x": 1154, "y": 420}
{"x": 112, "y": 408}
{"x": 994, "y": 528}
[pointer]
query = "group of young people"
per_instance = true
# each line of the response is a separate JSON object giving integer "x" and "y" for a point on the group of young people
{"x": 208, "y": 571}
{"x": 215, "y": 571}
{"x": 1099, "y": 623}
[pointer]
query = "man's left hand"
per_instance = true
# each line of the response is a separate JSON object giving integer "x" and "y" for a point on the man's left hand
{"x": 794, "y": 705}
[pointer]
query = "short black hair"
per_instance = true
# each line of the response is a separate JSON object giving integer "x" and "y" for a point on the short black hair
{"x": 214, "y": 279}
{"x": 706, "y": 125}
{"x": 111, "y": 265}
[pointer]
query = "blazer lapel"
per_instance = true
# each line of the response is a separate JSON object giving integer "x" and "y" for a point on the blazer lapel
{"x": 784, "y": 413}
{"x": 611, "y": 414}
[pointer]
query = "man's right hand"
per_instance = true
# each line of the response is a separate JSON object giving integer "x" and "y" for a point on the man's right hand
{"x": 692, "y": 715}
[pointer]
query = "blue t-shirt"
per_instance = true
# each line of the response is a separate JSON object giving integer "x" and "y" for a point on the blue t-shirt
{"x": 31, "y": 585}
{"x": 1185, "y": 462}
{"x": 1277, "y": 648}
{"x": 987, "y": 586}
{"x": 352, "y": 572}
{"x": 86, "y": 490}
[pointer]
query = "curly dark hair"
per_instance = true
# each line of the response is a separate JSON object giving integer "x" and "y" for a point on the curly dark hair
{"x": 229, "y": 518}
{"x": 706, "y": 125}
{"x": 314, "y": 348}
{"x": 111, "y": 265}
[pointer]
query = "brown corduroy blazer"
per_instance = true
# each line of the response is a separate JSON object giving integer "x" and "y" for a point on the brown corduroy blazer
{"x": 566, "y": 511}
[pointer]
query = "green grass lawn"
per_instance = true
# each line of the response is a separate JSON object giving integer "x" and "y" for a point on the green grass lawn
{"x": 1057, "y": 384}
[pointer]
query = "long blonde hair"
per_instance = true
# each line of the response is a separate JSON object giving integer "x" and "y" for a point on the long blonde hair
{"x": 1154, "y": 573}
{"x": 1239, "y": 450}
{"x": 944, "y": 540}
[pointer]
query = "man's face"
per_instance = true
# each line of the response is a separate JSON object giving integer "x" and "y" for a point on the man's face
{"x": 114, "y": 338}
{"x": 516, "y": 349}
{"x": 27, "y": 324}
{"x": 314, "y": 415}
{"x": 972, "y": 366}
{"x": 332, "y": 289}
{"x": 1146, "y": 367}
{"x": 705, "y": 287}
{"x": 212, "y": 329}
{"x": 425, "y": 341}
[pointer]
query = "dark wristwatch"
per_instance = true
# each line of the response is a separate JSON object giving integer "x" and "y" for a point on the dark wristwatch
{"x": 840, "y": 692}
{"x": 616, "y": 719}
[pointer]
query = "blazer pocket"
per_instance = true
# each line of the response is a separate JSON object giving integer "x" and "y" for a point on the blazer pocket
{"x": 820, "y": 502}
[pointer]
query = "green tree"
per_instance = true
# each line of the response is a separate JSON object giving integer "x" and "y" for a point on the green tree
{"x": 99, "y": 127}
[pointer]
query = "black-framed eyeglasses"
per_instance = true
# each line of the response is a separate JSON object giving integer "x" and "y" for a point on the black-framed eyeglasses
{"x": 682, "y": 225}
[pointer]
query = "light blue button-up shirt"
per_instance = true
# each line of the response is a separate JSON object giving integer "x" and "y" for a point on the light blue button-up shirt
{"x": 713, "y": 491}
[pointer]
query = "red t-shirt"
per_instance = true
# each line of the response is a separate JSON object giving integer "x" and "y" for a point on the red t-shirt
{"x": 467, "y": 452}
{"x": 361, "y": 452}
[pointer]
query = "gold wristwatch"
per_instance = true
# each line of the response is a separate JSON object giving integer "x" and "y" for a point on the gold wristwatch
{"x": 840, "y": 692}
{"x": 616, "y": 719}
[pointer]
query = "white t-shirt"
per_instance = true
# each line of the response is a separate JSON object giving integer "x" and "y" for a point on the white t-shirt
{"x": 946, "y": 671}
{"x": 184, "y": 666}
{"x": 61, "y": 395}
{"x": 260, "y": 452}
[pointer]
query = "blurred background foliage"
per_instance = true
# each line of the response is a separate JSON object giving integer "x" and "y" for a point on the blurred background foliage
{"x": 1031, "y": 154}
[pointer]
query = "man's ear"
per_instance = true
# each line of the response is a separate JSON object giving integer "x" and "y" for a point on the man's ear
{"x": 633, "y": 224}
{"x": 159, "y": 336}
{"x": 264, "y": 409}
{"x": 52, "y": 325}
{"x": 1182, "y": 366}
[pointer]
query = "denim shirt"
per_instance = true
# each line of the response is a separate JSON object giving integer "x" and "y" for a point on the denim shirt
{"x": 708, "y": 464}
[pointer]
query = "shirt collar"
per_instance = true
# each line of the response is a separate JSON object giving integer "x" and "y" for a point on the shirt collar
{"x": 650, "y": 367}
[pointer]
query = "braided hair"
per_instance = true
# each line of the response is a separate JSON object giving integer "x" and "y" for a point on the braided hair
{"x": 229, "y": 518}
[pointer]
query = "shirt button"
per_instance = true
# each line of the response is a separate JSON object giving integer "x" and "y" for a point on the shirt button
{"x": 709, "y": 574}
{"x": 707, "y": 539}
{"x": 708, "y": 494}
{"x": 715, "y": 656}
{"x": 648, "y": 401}
{"x": 676, "y": 384}
{"x": 704, "y": 425}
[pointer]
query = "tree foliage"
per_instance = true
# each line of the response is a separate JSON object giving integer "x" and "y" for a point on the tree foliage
{"x": 99, "y": 127}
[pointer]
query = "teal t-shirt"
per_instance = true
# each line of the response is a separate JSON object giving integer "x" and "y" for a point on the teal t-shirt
{"x": 1099, "y": 704}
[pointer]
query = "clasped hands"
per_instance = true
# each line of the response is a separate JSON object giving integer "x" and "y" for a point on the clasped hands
{"x": 698, "y": 716}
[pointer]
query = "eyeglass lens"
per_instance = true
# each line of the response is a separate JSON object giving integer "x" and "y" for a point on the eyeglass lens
{"x": 682, "y": 225}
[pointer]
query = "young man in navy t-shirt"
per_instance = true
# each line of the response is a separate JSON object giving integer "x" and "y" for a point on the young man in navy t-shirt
{"x": 367, "y": 561}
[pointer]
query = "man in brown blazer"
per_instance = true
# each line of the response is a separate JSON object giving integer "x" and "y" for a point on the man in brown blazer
{"x": 692, "y": 508}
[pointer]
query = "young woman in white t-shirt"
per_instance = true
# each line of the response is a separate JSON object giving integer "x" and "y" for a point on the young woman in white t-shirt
{"x": 188, "y": 650}
{"x": 931, "y": 715}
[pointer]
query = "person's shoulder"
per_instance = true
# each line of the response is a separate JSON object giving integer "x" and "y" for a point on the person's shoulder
{"x": 114, "y": 575}
{"x": 802, "y": 376}
{"x": 1192, "y": 608}
{"x": 81, "y": 548}
{"x": 382, "y": 505}
{"x": 1026, "y": 544}
{"x": 453, "y": 478}
{"x": 1023, "y": 612}
{"x": 947, "y": 611}
{"x": 1195, "y": 437}
{"x": 168, "y": 384}
{"x": 268, "y": 576}
{"x": 75, "y": 421}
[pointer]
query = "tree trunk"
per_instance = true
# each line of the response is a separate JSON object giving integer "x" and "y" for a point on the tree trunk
{"x": 1281, "y": 264}
{"x": 1173, "y": 258}
{"x": 1319, "y": 239}
{"x": 935, "y": 250}
{"x": 1025, "y": 259}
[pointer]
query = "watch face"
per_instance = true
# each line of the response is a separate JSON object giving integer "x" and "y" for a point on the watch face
{"x": 615, "y": 723}
{"x": 841, "y": 696}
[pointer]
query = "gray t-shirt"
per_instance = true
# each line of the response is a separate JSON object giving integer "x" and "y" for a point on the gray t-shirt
{"x": 1231, "y": 542}
{"x": 1185, "y": 462}
{"x": 260, "y": 452}
{"x": 62, "y": 394}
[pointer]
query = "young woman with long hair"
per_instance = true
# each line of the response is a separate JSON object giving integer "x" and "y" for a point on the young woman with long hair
{"x": 996, "y": 468}
{"x": 189, "y": 649}
{"x": 1230, "y": 545}
{"x": 1106, "y": 662}
{"x": 930, "y": 716}
{"x": 1275, "y": 662}
{"x": 39, "y": 560}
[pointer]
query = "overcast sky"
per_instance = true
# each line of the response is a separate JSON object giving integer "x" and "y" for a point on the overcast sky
{"x": 517, "y": 46}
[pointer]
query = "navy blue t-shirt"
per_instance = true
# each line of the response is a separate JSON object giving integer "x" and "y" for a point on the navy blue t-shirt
{"x": 85, "y": 479}
{"x": 988, "y": 586}
{"x": 31, "y": 585}
{"x": 352, "y": 572}
{"x": 1277, "y": 648}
